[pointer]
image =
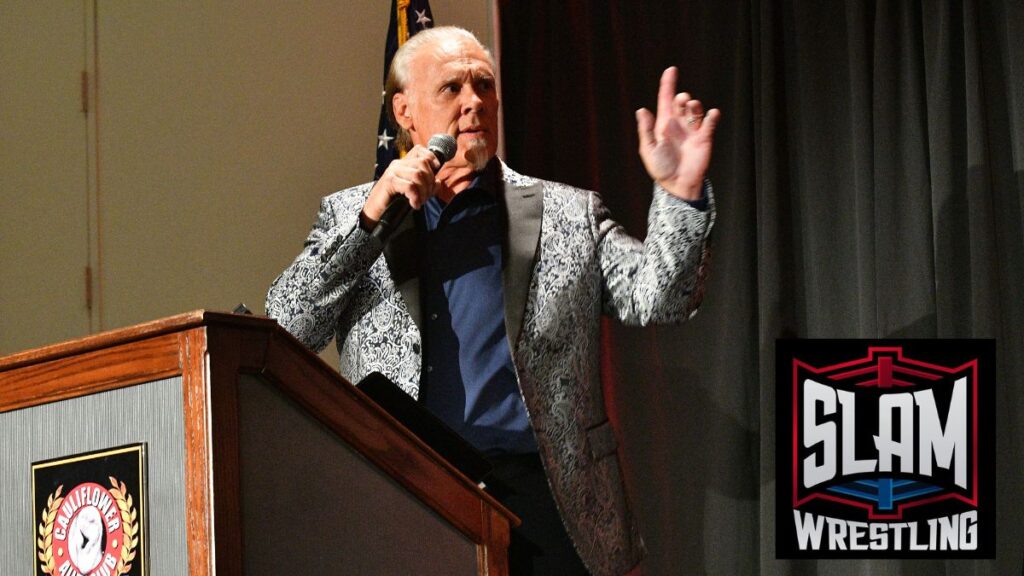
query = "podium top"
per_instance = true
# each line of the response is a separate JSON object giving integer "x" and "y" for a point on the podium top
{"x": 177, "y": 323}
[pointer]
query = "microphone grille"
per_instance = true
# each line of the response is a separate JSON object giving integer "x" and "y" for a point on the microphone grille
{"x": 443, "y": 145}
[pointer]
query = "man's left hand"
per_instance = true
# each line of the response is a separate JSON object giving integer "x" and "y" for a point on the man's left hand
{"x": 676, "y": 146}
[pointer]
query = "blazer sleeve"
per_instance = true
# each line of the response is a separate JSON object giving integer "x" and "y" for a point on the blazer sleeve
{"x": 661, "y": 279}
{"x": 308, "y": 298}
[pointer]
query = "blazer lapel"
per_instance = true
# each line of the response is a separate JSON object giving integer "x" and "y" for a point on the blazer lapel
{"x": 524, "y": 206}
{"x": 402, "y": 253}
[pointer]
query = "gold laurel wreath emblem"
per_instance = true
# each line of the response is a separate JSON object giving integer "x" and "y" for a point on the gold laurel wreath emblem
{"x": 129, "y": 525}
{"x": 45, "y": 540}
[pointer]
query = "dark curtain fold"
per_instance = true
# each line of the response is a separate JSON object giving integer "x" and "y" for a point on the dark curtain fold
{"x": 869, "y": 175}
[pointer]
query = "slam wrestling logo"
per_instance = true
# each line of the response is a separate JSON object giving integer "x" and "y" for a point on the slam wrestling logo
{"x": 885, "y": 449}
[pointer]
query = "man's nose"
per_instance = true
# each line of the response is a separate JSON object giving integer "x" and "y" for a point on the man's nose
{"x": 471, "y": 100}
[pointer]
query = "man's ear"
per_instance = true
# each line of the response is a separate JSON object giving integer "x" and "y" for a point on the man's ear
{"x": 400, "y": 108}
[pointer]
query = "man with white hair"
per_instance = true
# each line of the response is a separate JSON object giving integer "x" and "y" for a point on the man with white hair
{"x": 485, "y": 304}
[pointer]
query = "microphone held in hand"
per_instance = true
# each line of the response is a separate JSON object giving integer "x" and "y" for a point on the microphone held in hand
{"x": 443, "y": 146}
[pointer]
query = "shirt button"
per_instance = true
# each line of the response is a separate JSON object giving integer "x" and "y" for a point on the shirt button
{"x": 433, "y": 316}
{"x": 430, "y": 368}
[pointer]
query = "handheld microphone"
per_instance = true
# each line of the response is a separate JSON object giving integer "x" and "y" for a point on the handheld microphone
{"x": 443, "y": 146}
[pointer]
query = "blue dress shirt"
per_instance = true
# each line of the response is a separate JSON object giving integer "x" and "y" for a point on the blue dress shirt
{"x": 469, "y": 380}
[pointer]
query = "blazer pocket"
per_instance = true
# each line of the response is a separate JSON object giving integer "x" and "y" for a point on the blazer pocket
{"x": 601, "y": 441}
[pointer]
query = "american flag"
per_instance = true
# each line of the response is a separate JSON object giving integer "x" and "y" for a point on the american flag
{"x": 407, "y": 18}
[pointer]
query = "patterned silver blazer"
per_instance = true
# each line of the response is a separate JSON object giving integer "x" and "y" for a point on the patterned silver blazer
{"x": 568, "y": 263}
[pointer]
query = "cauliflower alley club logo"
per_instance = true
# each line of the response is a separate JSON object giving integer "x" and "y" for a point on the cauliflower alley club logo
{"x": 885, "y": 449}
{"x": 90, "y": 514}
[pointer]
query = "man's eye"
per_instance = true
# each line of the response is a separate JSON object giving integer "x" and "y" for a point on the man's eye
{"x": 450, "y": 89}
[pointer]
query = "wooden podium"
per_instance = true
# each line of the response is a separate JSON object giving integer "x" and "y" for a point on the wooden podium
{"x": 260, "y": 458}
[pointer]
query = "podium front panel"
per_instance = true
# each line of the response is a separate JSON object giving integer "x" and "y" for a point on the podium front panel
{"x": 312, "y": 505}
{"x": 149, "y": 413}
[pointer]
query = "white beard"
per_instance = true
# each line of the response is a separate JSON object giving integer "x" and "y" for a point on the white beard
{"x": 476, "y": 153}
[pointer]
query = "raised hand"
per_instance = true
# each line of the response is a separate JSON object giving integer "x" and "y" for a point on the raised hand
{"x": 676, "y": 146}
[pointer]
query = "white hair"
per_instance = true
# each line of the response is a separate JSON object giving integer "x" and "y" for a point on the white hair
{"x": 398, "y": 75}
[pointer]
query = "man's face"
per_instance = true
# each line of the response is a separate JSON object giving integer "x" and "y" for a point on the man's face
{"x": 451, "y": 90}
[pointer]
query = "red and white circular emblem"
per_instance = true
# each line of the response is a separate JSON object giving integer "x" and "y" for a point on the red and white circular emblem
{"x": 83, "y": 533}
{"x": 88, "y": 530}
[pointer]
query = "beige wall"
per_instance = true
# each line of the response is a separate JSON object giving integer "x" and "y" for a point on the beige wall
{"x": 213, "y": 130}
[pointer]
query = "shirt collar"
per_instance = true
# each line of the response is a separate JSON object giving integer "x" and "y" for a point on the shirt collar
{"x": 482, "y": 190}
{"x": 487, "y": 179}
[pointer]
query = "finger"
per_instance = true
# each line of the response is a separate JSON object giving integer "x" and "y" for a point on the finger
{"x": 424, "y": 168}
{"x": 410, "y": 182}
{"x": 429, "y": 160}
{"x": 416, "y": 171}
{"x": 423, "y": 156}
{"x": 412, "y": 190}
{"x": 645, "y": 128}
{"x": 422, "y": 180}
{"x": 680, "y": 102}
{"x": 419, "y": 165}
{"x": 666, "y": 91}
{"x": 711, "y": 121}
{"x": 694, "y": 108}
{"x": 415, "y": 200}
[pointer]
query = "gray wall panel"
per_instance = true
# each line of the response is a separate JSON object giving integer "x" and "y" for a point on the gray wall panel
{"x": 150, "y": 413}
